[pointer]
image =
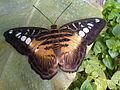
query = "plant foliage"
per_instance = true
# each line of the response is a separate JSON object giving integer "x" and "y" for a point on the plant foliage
{"x": 101, "y": 67}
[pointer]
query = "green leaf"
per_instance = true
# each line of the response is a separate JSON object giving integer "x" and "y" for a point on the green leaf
{"x": 76, "y": 88}
{"x": 108, "y": 3}
{"x": 111, "y": 43}
{"x": 117, "y": 5}
{"x": 111, "y": 16}
{"x": 116, "y": 78}
{"x": 111, "y": 85}
{"x": 114, "y": 83}
{"x": 118, "y": 45}
{"x": 94, "y": 65}
{"x": 118, "y": 19}
{"x": 101, "y": 82}
{"x": 99, "y": 47}
{"x": 99, "y": 79}
{"x": 96, "y": 71}
{"x": 86, "y": 86}
{"x": 113, "y": 53}
{"x": 108, "y": 61}
{"x": 116, "y": 31}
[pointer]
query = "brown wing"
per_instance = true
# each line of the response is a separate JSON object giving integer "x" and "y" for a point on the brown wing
{"x": 73, "y": 55}
{"x": 42, "y": 62}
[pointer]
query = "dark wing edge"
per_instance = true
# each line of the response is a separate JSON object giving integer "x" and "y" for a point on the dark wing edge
{"x": 73, "y": 59}
{"x": 95, "y": 31}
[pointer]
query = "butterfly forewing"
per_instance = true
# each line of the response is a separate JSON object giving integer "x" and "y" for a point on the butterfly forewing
{"x": 49, "y": 49}
{"x": 88, "y": 28}
{"x": 20, "y": 38}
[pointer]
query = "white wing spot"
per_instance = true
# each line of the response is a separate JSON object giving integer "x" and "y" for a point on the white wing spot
{"x": 97, "y": 20}
{"x": 79, "y": 23}
{"x": 28, "y": 30}
{"x": 89, "y": 27}
{"x": 74, "y": 26}
{"x": 90, "y": 24}
{"x": 82, "y": 25}
{"x": 86, "y": 30}
{"x": 81, "y": 33}
{"x": 23, "y": 38}
{"x": 11, "y": 31}
{"x": 33, "y": 32}
{"x": 68, "y": 27}
{"x": 28, "y": 41}
{"x": 64, "y": 27}
{"x": 18, "y": 34}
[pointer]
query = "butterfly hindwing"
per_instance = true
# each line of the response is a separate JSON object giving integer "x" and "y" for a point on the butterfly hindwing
{"x": 45, "y": 66}
{"x": 71, "y": 60}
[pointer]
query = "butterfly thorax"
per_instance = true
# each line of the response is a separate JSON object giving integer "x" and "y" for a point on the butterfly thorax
{"x": 54, "y": 26}
{"x": 56, "y": 47}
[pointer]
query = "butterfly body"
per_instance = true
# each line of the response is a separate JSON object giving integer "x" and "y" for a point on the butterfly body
{"x": 51, "y": 49}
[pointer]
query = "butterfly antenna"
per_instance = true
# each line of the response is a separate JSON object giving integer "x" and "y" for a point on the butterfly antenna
{"x": 43, "y": 14}
{"x": 62, "y": 12}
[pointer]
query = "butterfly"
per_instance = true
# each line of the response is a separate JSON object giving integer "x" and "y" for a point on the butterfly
{"x": 57, "y": 48}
